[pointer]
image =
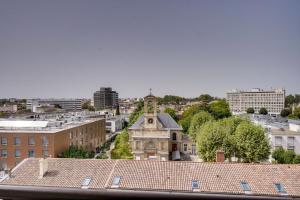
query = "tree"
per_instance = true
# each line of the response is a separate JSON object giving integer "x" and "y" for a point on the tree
{"x": 250, "y": 111}
{"x": 75, "y": 152}
{"x": 263, "y": 111}
{"x": 252, "y": 143}
{"x": 295, "y": 114}
{"x": 289, "y": 156}
{"x": 297, "y": 98}
{"x": 219, "y": 109}
{"x": 85, "y": 105}
{"x": 289, "y": 100}
{"x": 189, "y": 113}
{"x": 122, "y": 148}
{"x": 285, "y": 112}
{"x": 197, "y": 121}
{"x": 136, "y": 113}
{"x": 278, "y": 155}
{"x": 205, "y": 98}
{"x": 172, "y": 113}
{"x": 297, "y": 159}
{"x": 91, "y": 108}
{"x": 118, "y": 110}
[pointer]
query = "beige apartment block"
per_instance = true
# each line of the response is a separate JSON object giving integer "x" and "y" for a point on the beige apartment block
{"x": 273, "y": 100}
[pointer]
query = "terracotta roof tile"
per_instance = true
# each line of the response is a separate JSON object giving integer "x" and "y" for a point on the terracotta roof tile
{"x": 160, "y": 175}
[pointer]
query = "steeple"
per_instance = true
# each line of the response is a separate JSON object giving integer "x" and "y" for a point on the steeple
{"x": 150, "y": 110}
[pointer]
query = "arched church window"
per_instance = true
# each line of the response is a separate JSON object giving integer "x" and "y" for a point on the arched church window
{"x": 150, "y": 108}
{"x": 174, "y": 136}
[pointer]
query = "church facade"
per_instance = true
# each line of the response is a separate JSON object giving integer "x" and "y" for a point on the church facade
{"x": 156, "y": 136}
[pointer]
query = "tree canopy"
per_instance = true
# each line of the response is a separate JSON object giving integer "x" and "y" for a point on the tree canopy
{"x": 285, "y": 112}
{"x": 219, "y": 109}
{"x": 283, "y": 156}
{"x": 263, "y": 111}
{"x": 205, "y": 98}
{"x": 122, "y": 148}
{"x": 76, "y": 152}
{"x": 197, "y": 121}
{"x": 250, "y": 111}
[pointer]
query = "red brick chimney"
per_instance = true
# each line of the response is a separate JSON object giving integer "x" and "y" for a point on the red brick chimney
{"x": 220, "y": 156}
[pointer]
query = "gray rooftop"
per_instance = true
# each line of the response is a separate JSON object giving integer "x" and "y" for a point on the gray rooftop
{"x": 164, "y": 118}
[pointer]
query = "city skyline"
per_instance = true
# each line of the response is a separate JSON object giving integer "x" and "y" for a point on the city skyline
{"x": 69, "y": 49}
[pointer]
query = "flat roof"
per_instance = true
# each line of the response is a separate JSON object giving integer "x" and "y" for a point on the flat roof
{"x": 23, "y": 124}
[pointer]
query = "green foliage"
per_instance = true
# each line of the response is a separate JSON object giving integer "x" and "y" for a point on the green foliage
{"x": 297, "y": 159}
{"x": 263, "y": 111}
{"x": 214, "y": 135}
{"x": 278, "y": 155}
{"x": 219, "y": 109}
{"x": 197, "y": 121}
{"x": 85, "y": 105}
{"x": 188, "y": 115}
{"x": 295, "y": 114}
{"x": 172, "y": 113}
{"x": 250, "y": 111}
{"x": 75, "y": 152}
{"x": 285, "y": 112}
{"x": 282, "y": 156}
{"x": 289, "y": 156}
{"x": 252, "y": 143}
{"x": 136, "y": 113}
{"x": 289, "y": 100}
{"x": 170, "y": 99}
{"x": 122, "y": 148}
{"x": 205, "y": 98}
{"x": 102, "y": 155}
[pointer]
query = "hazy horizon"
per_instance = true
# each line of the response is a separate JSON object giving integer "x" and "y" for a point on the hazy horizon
{"x": 71, "y": 48}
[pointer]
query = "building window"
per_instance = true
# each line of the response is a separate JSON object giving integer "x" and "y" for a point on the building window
{"x": 4, "y": 153}
{"x": 245, "y": 186}
{"x": 17, "y": 141}
{"x": 116, "y": 181}
{"x": 31, "y": 154}
{"x": 185, "y": 147}
{"x": 17, "y": 153}
{"x": 195, "y": 184}
{"x": 45, "y": 141}
{"x": 279, "y": 187}
{"x": 291, "y": 143}
{"x": 278, "y": 141}
{"x": 174, "y": 136}
{"x": 45, "y": 153}
{"x": 3, "y": 140}
{"x": 31, "y": 141}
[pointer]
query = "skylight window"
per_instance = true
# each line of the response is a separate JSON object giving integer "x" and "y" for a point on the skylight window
{"x": 86, "y": 181}
{"x": 245, "y": 186}
{"x": 116, "y": 181}
{"x": 195, "y": 184}
{"x": 279, "y": 187}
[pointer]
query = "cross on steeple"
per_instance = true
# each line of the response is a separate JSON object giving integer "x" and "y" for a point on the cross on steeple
{"x": 150, "y": 91}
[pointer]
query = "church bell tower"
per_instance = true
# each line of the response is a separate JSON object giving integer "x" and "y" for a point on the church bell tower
{"x": 150, "y": 111}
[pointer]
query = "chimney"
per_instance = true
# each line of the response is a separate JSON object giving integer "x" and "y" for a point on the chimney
{"x": 220, "y": 156}
{"x": 43, "y": 163}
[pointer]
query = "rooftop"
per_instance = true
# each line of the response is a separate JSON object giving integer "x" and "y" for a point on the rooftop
{"x": 165, "y": 119}
{"x": 47, "y": 123}
{"x": 164, "y": 176}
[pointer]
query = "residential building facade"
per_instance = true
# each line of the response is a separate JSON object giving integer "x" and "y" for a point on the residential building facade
{"x": 22, "y": 139}
{"x": 106, "y": 98}
{"x": 273, "y": 100}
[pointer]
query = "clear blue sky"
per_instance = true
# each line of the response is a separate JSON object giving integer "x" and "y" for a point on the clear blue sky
{"x": 63, "y": 48}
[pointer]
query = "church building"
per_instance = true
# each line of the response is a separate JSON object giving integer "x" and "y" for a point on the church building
{"x": 156, "y": 136}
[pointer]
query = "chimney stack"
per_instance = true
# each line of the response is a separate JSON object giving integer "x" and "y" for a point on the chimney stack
{"x": 43, "y": 163}
{"x": 220, "y": 156}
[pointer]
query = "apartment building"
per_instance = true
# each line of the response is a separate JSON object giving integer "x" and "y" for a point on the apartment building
{"x": 65, "y": 104}
{"x": 49, "y": 138}
{"x": 106, "y": 98}
{"x": 273, "y": 100}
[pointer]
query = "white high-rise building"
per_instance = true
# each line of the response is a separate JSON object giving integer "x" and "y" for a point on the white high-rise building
{"x": 273, "y": 100}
